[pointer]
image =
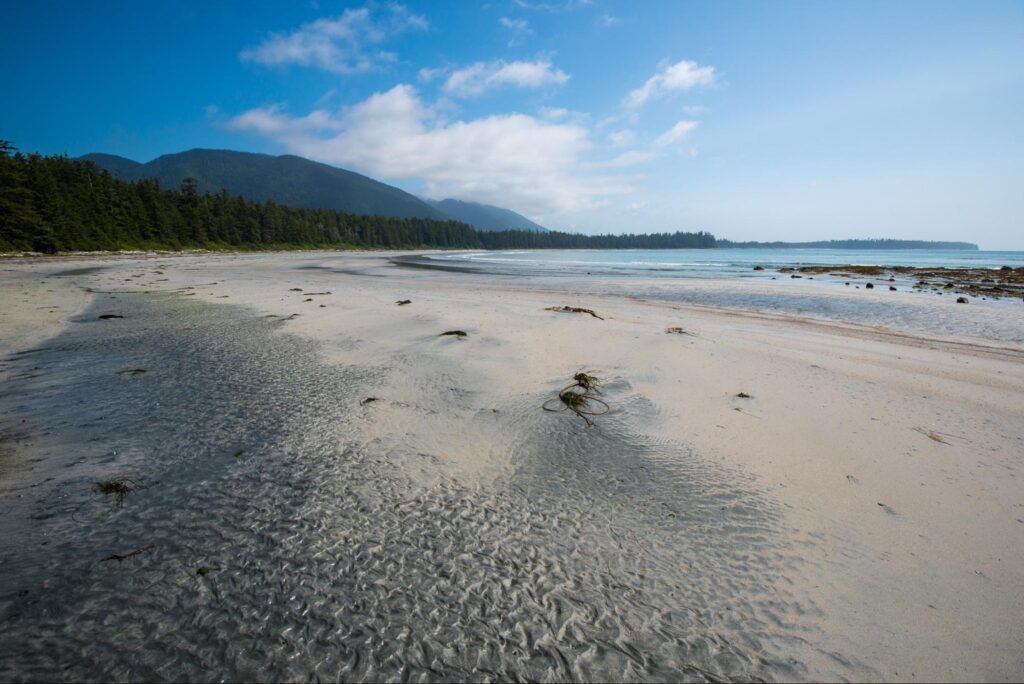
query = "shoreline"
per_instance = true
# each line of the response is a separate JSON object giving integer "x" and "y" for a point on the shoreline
{"x": 906, "y": 540}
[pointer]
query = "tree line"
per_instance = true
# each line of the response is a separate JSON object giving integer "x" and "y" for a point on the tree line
{"x": 54, "y": 204}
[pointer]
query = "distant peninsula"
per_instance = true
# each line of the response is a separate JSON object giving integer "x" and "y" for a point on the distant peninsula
{"x": 851, "y": 244}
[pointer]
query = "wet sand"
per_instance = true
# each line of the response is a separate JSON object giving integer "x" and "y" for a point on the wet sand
{"x": 858, "y": 516}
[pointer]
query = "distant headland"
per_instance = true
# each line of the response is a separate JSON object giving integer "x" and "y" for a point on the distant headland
{"x": 880, "y": 243}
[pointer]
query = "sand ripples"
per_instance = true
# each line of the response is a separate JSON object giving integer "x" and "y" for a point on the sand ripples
{"x": 593, "y": 554}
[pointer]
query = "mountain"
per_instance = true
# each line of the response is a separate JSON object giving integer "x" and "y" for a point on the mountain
{"x": 485, "y": 216}
{"x": 289, "y": 180}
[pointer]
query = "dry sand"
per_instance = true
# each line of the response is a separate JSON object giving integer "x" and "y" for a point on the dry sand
{"x": 891, "y": 458}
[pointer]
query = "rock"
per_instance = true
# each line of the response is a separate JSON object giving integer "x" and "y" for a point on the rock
{"x": 869, "y": 286}
{"x": 892, "y": 289}
{"x": 795, "y": 276}
{"x": 961, "y": 300}
{"x": 759, "y": 268}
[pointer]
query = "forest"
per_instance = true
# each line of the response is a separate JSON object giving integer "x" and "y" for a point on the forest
{"x": 52, "y": 204}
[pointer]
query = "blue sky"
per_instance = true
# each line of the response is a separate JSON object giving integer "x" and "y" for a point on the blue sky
{"x": 785, "y": 120}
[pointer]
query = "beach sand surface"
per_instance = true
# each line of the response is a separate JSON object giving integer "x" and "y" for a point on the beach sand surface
{"x": 403, "y": 507}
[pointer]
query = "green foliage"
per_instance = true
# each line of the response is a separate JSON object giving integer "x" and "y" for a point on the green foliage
{"x": 51, "y": 204}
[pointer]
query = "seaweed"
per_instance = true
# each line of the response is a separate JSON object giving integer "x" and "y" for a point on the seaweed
{"x": 573, "y": 309}
{"x": 579, "y": 398}
{"x": 456, "y": 333}
{"x": 118, "y": 488}
{"x": 678, "y": 331}
{"x": 120, "y": 557}
{"x": 403, "y": 302}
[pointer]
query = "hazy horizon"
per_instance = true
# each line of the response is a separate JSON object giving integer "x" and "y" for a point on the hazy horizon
{"x": 791, "y": 122}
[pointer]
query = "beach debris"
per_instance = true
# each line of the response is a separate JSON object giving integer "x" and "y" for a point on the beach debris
{"x": 743, "y": 395}
{"x": 367, "y": 400}
{"x": 133, "y": 371}
{"x": 120, "y": 557}
{"x": 203, "y": 570}
{"x": 295, "y": 289}
{"x": 291, "y": 317}
{"x": 931, "y": 434}
{"x": 678, "y": 331}
{"x": 892, "y": 289}
{"x": 579, "y": 398}
{"x": 307, "y": 300}
{"x": 887, "y": 509}
{"x": 573, "y": 309}
{"x": 238, "y": 454}
{"x": 852, "y": 480}
{"x": 795, "y": 276}
{"x": 403, "y": 302}
{"x": 456, "y": 333}
{"x": 961, "y": 300}
{"x": 107, "y": 317}
{"x": 869, "y": 286}
{"x": 119, "y": 488}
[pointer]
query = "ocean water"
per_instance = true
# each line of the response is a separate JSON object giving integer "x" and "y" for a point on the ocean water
{"x": 708, "y": 263}
{"x": 725, "y": 278}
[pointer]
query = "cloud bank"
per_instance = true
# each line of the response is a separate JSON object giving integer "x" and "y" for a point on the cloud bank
{"x": 342, "y": 45}
{"x": 682, "y": 75}
{"x": 480, "y": 77}
{"x": 511, "y": 160}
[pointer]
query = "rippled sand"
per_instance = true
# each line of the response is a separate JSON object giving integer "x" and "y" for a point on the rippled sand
{"x": 447, "y": 530}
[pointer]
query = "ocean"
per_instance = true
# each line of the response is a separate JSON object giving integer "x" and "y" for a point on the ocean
{"x": 707, "y": 263}
{"x": 725, "y": 278}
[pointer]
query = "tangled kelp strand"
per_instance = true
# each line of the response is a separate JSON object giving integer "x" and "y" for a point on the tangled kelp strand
{"x": 579, "y": 398}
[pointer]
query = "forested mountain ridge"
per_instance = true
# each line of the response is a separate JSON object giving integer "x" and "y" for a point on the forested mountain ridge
{"x": 287, "y": 179}
{"x": 485, "y": 216}
{"x": 53, "y": 204}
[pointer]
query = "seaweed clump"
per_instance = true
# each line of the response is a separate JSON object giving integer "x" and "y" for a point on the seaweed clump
{"x": 579, "y": 397}
{"x": 118, "y": 488}
{"x": 573, "y": 309}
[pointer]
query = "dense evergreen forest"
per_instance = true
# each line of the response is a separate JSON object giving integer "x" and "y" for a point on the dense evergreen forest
{"x": 54, "y": 204}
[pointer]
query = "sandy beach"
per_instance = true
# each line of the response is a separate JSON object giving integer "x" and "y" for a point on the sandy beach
{"x": 324, "y": 486}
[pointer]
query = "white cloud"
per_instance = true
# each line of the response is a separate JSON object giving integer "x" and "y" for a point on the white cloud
{"x": 341, "y": 45}
{"x": 482, "y": 76}
{"x": 682, "y": 75}
{"x": 520, "y": 29}
{"x": 675, "y": 135}
{"x": 512, "y": 160}
{"x": 696, "y": 110}
{"x": 554, "y": 113}
{"x": 427, "y": 75}
{"x": 622, "y": 138}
